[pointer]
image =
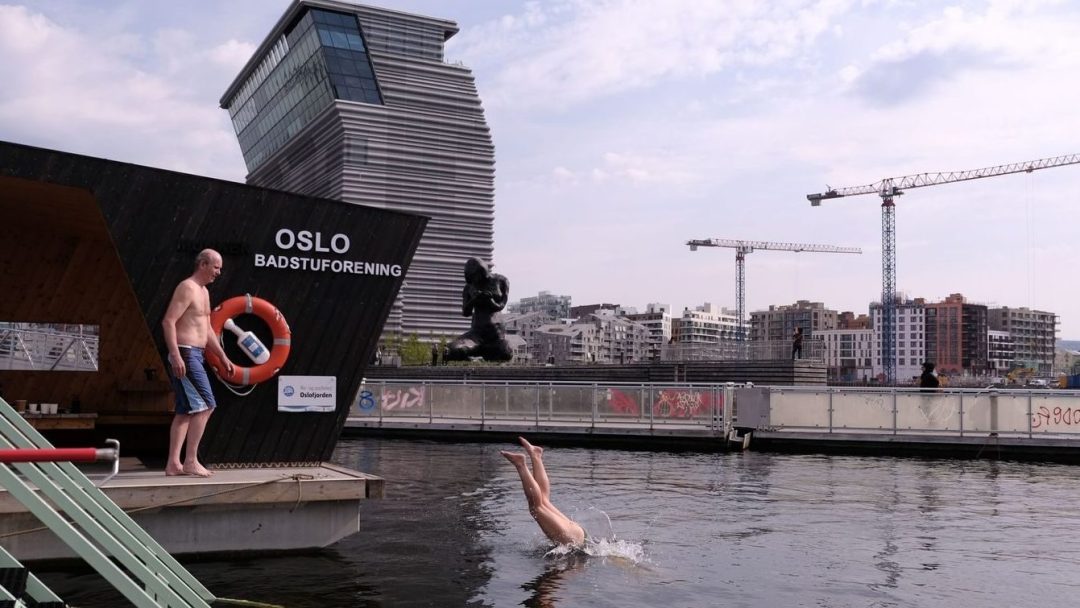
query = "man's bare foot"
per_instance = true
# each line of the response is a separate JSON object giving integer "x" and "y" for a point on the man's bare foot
{"x": 197, "y": 469}
{"x": 534, "y": 451}
{"x": 514, "y": 457}
{"x": 172, "y": 471}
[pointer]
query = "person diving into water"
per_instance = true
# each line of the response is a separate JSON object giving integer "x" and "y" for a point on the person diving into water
{"x": 558, "y": 527}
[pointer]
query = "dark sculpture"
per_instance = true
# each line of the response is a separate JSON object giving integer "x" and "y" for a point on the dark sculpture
{"x": 484, "y": 295}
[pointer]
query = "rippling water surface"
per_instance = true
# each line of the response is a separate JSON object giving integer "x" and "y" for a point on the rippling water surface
{"x": 686, "y": 529}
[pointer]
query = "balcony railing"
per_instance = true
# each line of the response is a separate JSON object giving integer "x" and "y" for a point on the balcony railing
{"x": 733, "y": 350}
{"x": 48, "y": 349}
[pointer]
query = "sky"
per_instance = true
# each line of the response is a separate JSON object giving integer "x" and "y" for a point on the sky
{"x": 624, "y": 128}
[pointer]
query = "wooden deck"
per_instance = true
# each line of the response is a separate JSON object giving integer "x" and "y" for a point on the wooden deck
{"x": 234, "y": 511}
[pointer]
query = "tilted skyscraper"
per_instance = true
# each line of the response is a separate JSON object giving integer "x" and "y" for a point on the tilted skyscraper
{"x": 356, "y": 103}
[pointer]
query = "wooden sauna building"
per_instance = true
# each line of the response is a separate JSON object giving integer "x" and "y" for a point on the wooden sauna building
{"x": 95, "y": 248}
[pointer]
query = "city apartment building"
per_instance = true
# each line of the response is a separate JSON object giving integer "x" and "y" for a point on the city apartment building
{"x": 555, "y": 307}
{"x": 1001, "y": 352}
{"x": 357, "y": 103}
{"x": 658, "y": 322}
{"x": 1034, "y": 334}
{"x": 778, "y": 323}
{"x": 1066, "y": 361}
{"x": 705, "y": 332}
{"x": 771, "y": 330}
{"x": 910, "y": 336}
{"x": 849, "y": 353}
{"x": 561, "y": 344}
{"x": 956, "y": 336}
{"x": 601, "y": 337}
{"x": 521, "y": 329}
{"x": 618, "y": 339}
{"x": 706, "y": 324}
{"x": 848, "y": 320}
{"x": 578, "y": 312}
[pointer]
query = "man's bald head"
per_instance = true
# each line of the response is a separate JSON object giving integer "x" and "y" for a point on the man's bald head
{"x": 208, "y": 257}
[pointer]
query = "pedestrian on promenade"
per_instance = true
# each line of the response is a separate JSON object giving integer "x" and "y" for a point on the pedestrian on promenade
{"x": 928, "y": 380}
{"x": 187, "y": 331}
{"x": 796, "y": 344}
{"x": 558, "y": 527}
{"x": 434, "y": 354}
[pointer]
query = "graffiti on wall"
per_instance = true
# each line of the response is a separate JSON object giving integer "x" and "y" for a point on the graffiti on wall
{"x": 403, "y": 398}
{"x": 668, "y": 403}
{"x": 1046, "y": 419}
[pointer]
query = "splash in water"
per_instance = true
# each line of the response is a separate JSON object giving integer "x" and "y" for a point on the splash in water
{"x": 600, "y": 540}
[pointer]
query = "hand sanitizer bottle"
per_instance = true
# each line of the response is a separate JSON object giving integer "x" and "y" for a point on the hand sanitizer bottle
{"x": 249, "y": 343}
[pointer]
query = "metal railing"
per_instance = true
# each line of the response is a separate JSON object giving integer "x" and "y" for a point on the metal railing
{"x": 954, "y": 412}
{"x": 588, "y": 405}
{"x": 47, "y": 349}
{"x": 715, "y": 408}
{"x": 93, "y": 526}
{"x": 732, "y": 350}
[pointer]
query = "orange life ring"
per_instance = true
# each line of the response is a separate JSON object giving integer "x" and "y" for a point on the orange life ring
{"x": 279, "y": 352}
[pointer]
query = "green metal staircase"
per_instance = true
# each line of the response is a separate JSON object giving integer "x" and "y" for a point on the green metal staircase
{"x": 83, "y": 517}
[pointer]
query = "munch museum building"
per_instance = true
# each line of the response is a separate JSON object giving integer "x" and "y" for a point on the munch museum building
{"x": 356, "y": 103}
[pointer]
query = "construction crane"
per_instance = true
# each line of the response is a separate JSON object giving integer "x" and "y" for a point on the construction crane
{"x": 892, "y": 187}
{"x": 744, "y": 247}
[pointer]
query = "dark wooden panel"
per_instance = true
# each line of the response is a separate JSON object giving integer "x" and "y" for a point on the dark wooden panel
{"x": 152, "y": 223}
{"x": 58, "y": 266}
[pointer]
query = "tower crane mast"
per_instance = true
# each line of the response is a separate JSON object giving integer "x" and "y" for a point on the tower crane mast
{"x": 891, "y": 187}
{"x": 742, "y": 248}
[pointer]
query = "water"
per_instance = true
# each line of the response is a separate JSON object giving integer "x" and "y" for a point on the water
{"x": 689, "y": 529}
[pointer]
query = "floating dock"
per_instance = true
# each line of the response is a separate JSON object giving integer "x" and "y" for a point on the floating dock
{"x": 234, "y": 511}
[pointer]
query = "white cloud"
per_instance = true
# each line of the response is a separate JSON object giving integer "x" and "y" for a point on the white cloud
{"x": 625, "y": 127}
{"x": 143, "y": 99}
{"x": 577, "y": 51}
{"x": 728, "y": 144}
{"x": 232, "y": 54}
{"x": 1004, "y": 36}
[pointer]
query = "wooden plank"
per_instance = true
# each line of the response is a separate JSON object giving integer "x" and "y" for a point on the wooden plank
{"x": 48, "y": 422}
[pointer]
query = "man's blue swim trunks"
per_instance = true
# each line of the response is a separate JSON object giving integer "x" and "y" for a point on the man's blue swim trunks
{"x": 193, "y": 394}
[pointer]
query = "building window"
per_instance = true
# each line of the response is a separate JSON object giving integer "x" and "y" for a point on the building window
{"x": 347, "y": 61}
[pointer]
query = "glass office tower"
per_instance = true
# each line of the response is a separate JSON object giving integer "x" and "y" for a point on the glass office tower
{"x": 357, "y": 103}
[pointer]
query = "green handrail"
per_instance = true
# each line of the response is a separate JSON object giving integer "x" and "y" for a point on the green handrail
{"x": 150, "y": 577}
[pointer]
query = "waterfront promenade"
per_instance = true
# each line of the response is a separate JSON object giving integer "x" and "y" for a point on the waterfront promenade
{"x": 953, "y": 422}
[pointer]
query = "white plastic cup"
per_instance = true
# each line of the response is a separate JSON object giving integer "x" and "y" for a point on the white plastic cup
{"x": 49, "y": 408}
{"x": 33, "y": 408}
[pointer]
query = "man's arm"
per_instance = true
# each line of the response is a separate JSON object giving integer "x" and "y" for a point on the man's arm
{"x": 181, "y": 301}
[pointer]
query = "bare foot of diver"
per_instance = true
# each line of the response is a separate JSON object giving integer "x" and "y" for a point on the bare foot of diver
{"x": 534, "y": 451}
{"x": 173, "y": 471}
{"x": 197, "y": 469}
{"x": 513, "y": 457}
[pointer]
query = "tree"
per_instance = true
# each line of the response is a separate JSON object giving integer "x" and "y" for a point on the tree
{"x": 415, "y": 352}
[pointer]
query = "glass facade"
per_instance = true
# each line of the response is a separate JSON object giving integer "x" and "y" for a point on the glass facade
{"x": 322, "y": 57}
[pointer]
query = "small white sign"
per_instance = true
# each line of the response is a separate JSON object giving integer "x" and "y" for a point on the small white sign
{"x": 307, "y": 393}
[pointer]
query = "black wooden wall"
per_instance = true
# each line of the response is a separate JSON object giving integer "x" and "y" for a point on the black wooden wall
{"x": 159, "y": 220}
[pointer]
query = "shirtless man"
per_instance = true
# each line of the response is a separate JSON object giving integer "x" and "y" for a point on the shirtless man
{"x": 187, "y": 335}
{"x": 558, "y": 527}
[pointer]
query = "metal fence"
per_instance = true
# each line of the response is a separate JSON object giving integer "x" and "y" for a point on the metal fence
{"x": 553, "y": 403}
{"x": 733, "y": 350}
{"x": 716, "y": 407}
{"x": 957, "y": 412}
{"x": 41, "y": 348}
